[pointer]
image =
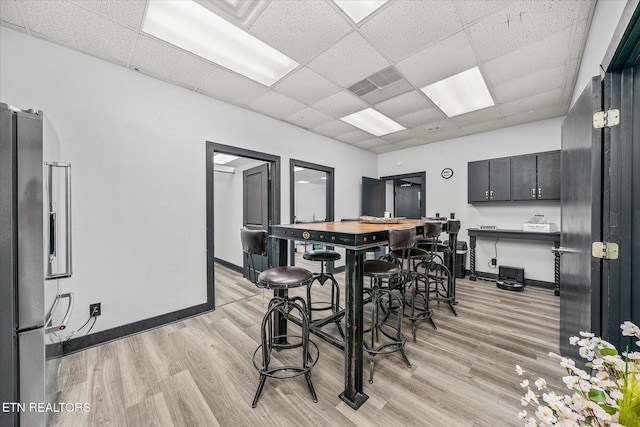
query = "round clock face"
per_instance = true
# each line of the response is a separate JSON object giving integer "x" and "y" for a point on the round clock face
{"x": 446, "y": 173}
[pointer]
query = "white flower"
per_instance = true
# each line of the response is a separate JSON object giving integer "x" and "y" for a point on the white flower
{"x": 573, "y": 340}
{"x": 522, "y": 414}
{"x": 531, "y": 422}
{"x": 629, "y": 329}
{"x": 532, "y": 396}
{"x": 566, "y": 362}
{"x": 524, "y": 384}
{"x": 519, "y": 370}
{"x": 540, "y": 383}
{"x": 544, "y": 413}
{"x": 571, "y": 381}
{"x": 587, "y": 334}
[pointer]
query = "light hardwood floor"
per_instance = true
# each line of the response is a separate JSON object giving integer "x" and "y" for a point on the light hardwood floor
{"x": 198, "y": 372}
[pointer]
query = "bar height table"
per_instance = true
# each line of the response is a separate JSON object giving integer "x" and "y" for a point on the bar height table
{"x": 355, "y": 237}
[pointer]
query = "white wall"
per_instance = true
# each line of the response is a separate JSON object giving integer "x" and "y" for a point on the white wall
{"x": 450, "y": 195}
{"x": 137, "y": 149}
{"x": 311, "y": 201}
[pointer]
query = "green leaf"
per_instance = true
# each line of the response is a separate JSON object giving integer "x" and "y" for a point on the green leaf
{"x": 596, "y": 395}
{"x": 589, "y": 365}
{"x": 587, "y": 421}
{"x": 608, "y": 352}
{"x": 578, "y": 391}
{"x": 609, "y": 409}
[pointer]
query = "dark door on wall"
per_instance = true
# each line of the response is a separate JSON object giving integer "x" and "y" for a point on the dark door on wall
{"x": 255, "y": 206}
{"x": 408, "y": 199}
{"x": 373, "y": 197}
{"x": 580, "y": 273}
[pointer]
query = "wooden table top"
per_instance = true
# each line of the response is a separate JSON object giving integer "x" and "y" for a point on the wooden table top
{"x": 352, "y": 227}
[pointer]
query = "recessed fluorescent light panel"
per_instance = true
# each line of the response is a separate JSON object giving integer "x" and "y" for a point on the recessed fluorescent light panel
{"x": 369, "y": 120}
{"x": 221, "y": 159}
{"x": 192, "y": 27}
{"x": 459, "y": 94}
{"x": 357, "y": 10}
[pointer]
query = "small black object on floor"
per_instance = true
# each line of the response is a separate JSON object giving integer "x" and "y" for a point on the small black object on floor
{"x": 510, "y": 278}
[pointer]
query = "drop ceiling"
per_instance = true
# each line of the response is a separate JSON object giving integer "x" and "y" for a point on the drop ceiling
{"x": 528, "y": 52}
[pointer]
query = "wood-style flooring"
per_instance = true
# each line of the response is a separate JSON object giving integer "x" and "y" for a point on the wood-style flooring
{"x": 199, "y": 371}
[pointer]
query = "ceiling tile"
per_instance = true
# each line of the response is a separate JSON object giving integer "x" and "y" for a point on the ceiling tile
{"x": 404, "y": 104}
{"x": 436, "y": 62}
{"x": 473, "y": 10}
{"x": 9, "y": 14}
{"x": 340, "y": 104}
{"x": 72, "y": 26}
{"x": 407, "y": 26}
{"x": 529, "y": 85}
{"x": 435, "y": 128}
{"x": 334, "y": 128}
{"x": 308, "y": 118}
{"x": 536, "y": 56}
{"x": 421, "y": 117}
{"x": 306, "y": 86}
{"x": 486, "y": 114}
{"x": 126, "y": 12}
{"x": 483, "y": 126}
{"x": 354, "y": 136}
{"x": 357, "y": 59}
{"x": 231, "y": 87}
{"x": 273, "y": 104}
{"x": 167, "y": 62}
{"x": 543, "y": 100}
{"x": 526, "y": 117}
{"x": 402, "y": 135}
{"x": 370, "y": 143}
{"x": 300, "y": 29}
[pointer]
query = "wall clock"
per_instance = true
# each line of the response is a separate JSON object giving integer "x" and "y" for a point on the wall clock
{"x": 446, "y": 173}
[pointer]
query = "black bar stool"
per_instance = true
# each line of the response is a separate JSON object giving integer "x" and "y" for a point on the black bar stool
{"x": 377, "y": 271}
{"x": 439, "y": 276}
{"x": 416, "y": 299}
{"x": 254, "y": 242}
{"x": 323, "y": 256}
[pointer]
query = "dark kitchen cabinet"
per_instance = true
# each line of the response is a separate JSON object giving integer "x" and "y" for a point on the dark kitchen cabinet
{"x": 489, "y": 180}
{"x": 536, "y": 176}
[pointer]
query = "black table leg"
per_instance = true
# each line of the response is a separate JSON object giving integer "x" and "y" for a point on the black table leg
{"x": 472, "y": 258}
{"x": 556, "y": 270}
{"x": 353, "y": 394}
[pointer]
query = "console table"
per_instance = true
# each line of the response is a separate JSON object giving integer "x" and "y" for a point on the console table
{"x": 554, "y": 237}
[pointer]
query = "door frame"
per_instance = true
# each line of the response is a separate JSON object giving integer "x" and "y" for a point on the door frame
{"x": 330, "y": 195}
{"x": 274, "y": 193}
{"x": 423, "y": 184}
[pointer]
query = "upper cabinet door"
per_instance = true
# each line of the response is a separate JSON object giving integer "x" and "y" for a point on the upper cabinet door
{"x": 500, "y": 180}
{"x": 523, "y": 177}
{"x": 478, "y": 181}
{"x": 549, "y": 176}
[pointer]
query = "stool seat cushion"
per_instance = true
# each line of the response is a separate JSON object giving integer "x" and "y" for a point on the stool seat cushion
{"x": 321, "y": 255}
{"x": 375, "y": 268}
{"x": 284, "y": 277}
{"x": 411, "y": 252}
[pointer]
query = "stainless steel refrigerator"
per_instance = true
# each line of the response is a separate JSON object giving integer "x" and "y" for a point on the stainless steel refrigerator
{"x": 35, "y": 253}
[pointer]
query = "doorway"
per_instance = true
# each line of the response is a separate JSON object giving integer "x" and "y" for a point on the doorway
{"x": 402, "y": 195}
{"x": 229, "y": 207}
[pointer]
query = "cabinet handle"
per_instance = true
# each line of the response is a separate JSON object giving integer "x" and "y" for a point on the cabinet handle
{"x": 539, "y": 192}
{"x": 491, "y": 194}
{"x": 533, "y": 193}
{"x": 486, "y": 195}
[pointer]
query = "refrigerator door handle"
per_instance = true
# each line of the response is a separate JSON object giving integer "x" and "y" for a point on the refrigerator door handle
{"x": 58, "y": 185}
{"x": 48, "y": 328}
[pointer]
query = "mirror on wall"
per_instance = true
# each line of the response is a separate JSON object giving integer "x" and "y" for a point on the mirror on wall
{"x": 312, "y": 193}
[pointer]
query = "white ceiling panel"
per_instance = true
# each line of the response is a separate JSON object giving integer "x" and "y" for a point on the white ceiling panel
{"x": 9, "y": 14}
{"x": 340, "y": 104}
{"x": 333, "y": 128}
{"x": 306, "y": 86}
{"x": 162, "y": 60}
{"x": 300, "y": 29}
{"x": 308, "y": 118}
{"x": 530, "y": 85}
{"x": 275, "y": 105}
{"x": 404, "y": 104}
{"x": 126, "y": 12}
{"x": 357, "y": 59}
{"x": 70, "y": 25}
{"x": 405, "y": 27}
{"x": 533, "y": 57}
{"x": 231, "y": 87}
{"x": 528, "y": 51}
{"x": 421, "y": 69}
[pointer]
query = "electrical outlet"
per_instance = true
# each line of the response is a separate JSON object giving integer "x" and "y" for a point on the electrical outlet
{"x": 95, "y": 310}
{"x": 494, "y": 261}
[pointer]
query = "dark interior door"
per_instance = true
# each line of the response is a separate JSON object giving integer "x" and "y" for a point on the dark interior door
{"x": 255, "y": 205}
{"x": 408, "y": 199}
{"x": 373, "y": 197}
{"x": 580, "y": 273}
